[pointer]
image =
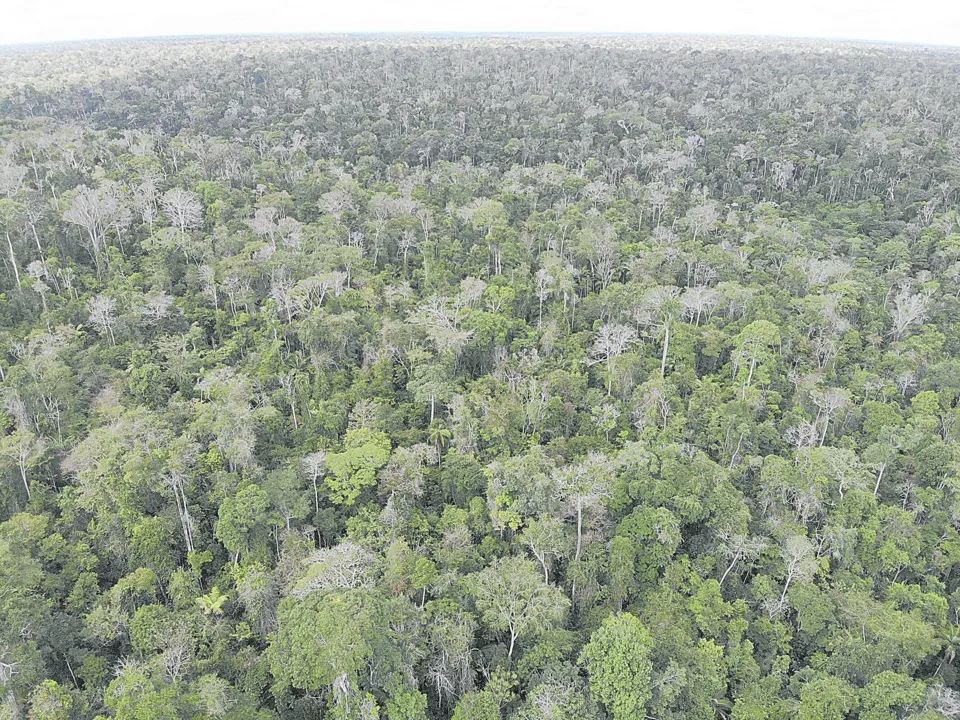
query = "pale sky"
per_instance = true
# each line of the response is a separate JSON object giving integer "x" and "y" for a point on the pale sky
{"x": 916, "y": 21}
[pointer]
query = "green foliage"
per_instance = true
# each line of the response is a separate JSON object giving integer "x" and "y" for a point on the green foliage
{"x": 890, "y": 695}
{"x": 212, "y": 602}
{"x": 618, "y": 662}
{"x": 138, "y": 695}
{"x": 407, "y": 706}
{"x": 478, "y": 706}
{"x": 354, "y": 469}
{"x": 242, "y": 519}
{"x": 368, "y": 378}
{"x": 49, "y": 701}
{"x": 321, "y": 638}
{"x": 824, "y": 697}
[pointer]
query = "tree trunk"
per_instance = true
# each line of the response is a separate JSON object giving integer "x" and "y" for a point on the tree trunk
{"x": 786, "y": 586}
{"x": 736, "y": 559}
{"x": 876, "y": 488}
{"x": 26, "y": 484}
{"x": 753, "y": 365}
{"x": 13, "y": 260}
{"x": 576, "y": 556}
{"x": 666, "y": 349}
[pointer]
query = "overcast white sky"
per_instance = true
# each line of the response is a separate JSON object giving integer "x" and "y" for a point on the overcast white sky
{"x": 918, "y": 21}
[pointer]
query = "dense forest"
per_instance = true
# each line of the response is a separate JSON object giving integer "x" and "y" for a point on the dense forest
{"x": 485, "y": 379}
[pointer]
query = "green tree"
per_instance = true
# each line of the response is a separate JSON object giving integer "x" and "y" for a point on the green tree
{"x": 478, "y": 706}
{"x": 824, "y": 697}
{"x": 754, "y": 355}
{"x": 891, "y": 695}
{"x": 618, "y": 662}
{"x": 49, "y": 701}
{"x": 322, "y": 639}
{"x": 243, "y": 520}
{"x": 354, "y": 469}
{"x": 407, "y": 706}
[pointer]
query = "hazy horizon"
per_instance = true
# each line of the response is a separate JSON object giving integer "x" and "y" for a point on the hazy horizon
{"x": 453, "y": 35}
{"x": 926, "y": 22}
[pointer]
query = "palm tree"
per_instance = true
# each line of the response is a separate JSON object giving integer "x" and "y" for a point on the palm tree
{"x": 950, "y": 639}
{"x": 440, "y": 436}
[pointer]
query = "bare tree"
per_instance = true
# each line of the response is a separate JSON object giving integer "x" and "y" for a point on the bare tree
{"x": 908, "y": 309}
{"x": 314, "y": 466}
{"x": 657, "y": 310}
{"x": 102, "y": 309}
{"x": 449, "y": 664}
{"x": 7, "y": 669}
{"x": 94, "y": 211}
{"x": 829, "y": 401}
{"x": 612, "y": 341}
{"x": 264, "y": 223}
{"x": 598, "y": 243}
{"x": 176, "y": 482}
{"x": 701, "y": 218}
{"x": 699, "y": 301}
{"x": 157, "y": 306}
{"x": 178, "y": 653}
{"x": 802, "y": 436}
{"x": 8, "y": 218}
{"x": 544, "y": 282}
{"x": 739, "y": 547}
{"x": 584, "y": 487}
{"x": 25, "y": 449}
{"x": 11, "y": 178}
{"x": 310, "y": 292}
{"x": 442, "y": 323}
{"x": 545, "y": 539}
{"x": 800, "y": 564}
{"x": 183, "y": 208}
{"x": 344, "y": 567}
{"x": 258, "y": 592}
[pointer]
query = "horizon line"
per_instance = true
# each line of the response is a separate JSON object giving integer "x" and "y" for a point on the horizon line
{"x": 472, "y": 34}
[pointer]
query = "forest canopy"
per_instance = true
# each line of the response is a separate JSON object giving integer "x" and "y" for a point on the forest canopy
{"x": 479, "y": 379}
